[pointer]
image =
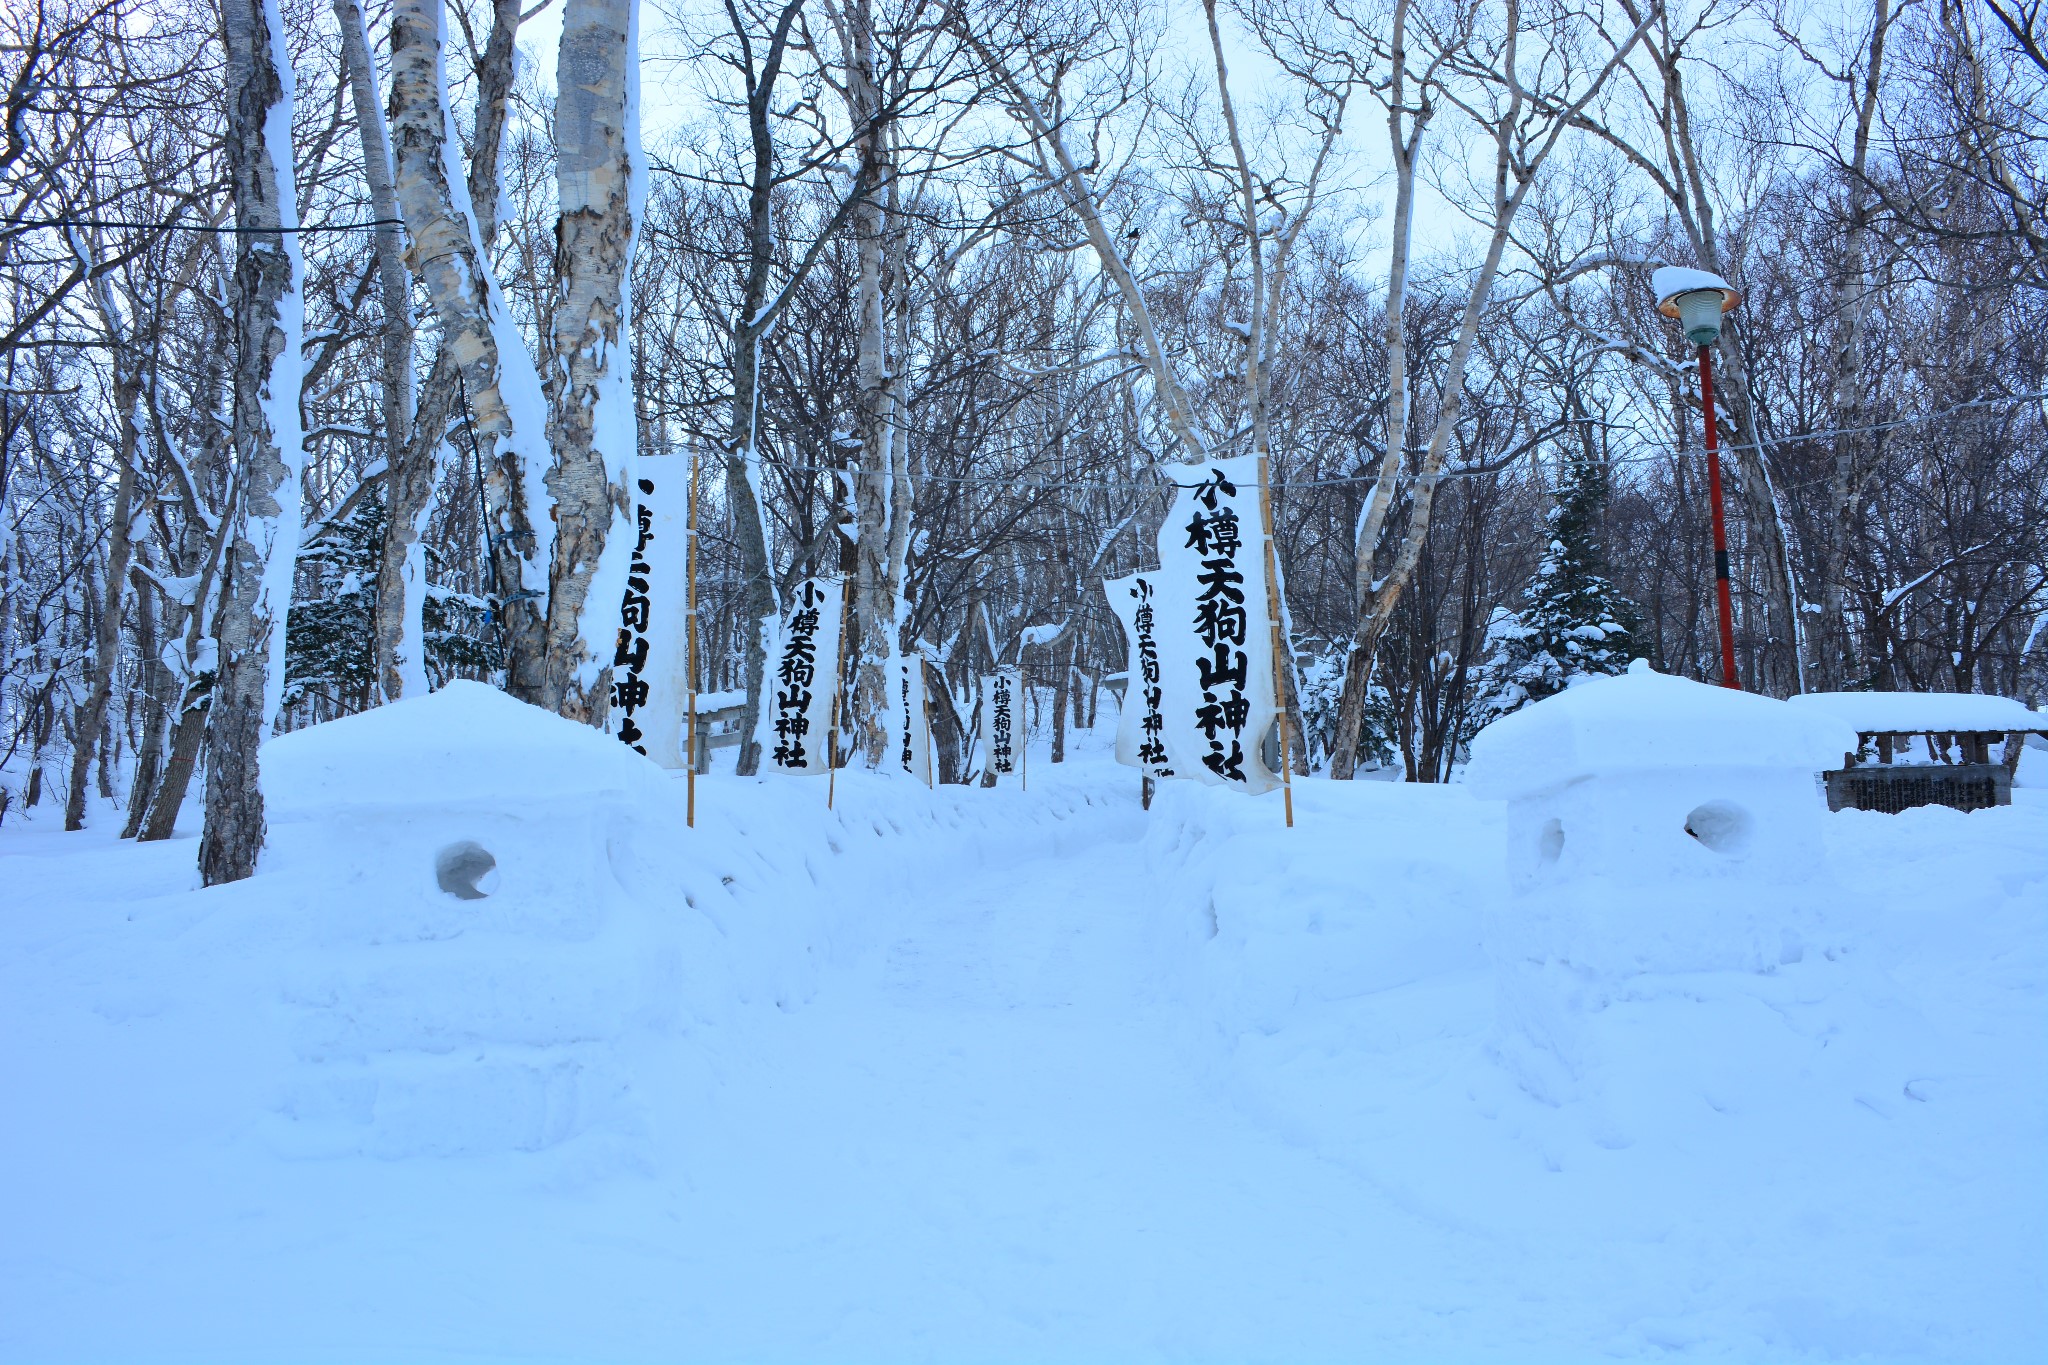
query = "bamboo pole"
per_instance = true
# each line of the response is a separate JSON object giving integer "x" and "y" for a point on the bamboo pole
{"x": 931, "y": 758}
{"x": 838, "y": 666}
{"x": 690, "y": 636}
{"x": 1279, "y": 643}
{"x": 1022, "y": 713}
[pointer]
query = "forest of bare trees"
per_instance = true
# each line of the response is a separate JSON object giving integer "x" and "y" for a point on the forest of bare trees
{"x": 332, "y": 332}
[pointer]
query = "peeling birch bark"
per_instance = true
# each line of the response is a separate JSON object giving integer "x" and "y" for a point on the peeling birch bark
{"x": 477, "y": 334}
{"x": 592, "y": 423}
{"x": 401, "y": 568}
{"x": 268, "y": 319}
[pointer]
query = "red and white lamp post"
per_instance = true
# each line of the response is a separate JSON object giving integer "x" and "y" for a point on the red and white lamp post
{"x": 1697, "y": 299}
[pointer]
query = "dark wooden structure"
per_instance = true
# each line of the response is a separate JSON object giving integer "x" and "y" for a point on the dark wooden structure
{"x": 1969, "y": 781}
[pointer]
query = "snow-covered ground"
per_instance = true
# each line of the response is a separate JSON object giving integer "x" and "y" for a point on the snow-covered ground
{"x": 976, "y": 1075}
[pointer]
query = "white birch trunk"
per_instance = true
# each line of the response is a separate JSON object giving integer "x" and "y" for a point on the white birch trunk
{"x": 593, "y": 424}
{"x": 488, "y": 355}
{"x": 408, "y": 491}
{"x": 269, "y": 314}
{"x": 874, "y": 607}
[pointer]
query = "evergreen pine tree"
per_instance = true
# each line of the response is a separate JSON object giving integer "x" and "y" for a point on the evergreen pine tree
{"x": 1572, "y": 623}
{"x": 330, "y": 646}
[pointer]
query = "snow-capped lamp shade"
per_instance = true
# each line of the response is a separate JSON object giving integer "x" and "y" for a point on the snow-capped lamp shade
{"x": 1697, "y": 298}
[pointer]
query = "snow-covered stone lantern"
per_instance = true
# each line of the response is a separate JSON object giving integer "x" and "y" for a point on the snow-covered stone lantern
{"x": 1647, "y": 780}
{"x": 1654, "y": 825}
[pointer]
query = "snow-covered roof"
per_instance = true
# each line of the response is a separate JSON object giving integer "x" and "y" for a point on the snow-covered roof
{"x": 1669, "y": 281}
{"x": 1920, "y": 712}
{"x": 1645, "y": 720}
{"x": 465, "y": 742}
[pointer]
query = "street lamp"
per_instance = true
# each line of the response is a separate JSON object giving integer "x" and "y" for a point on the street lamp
{"x": 1697, "y": 299}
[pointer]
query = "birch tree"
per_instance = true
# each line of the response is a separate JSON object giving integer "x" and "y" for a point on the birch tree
{"x": 1861, "y": 76}
{"x": 1521, "y": 86}
{"x": 402, "y": 570}
{"x": 1660, "y": 132}
{"x": 92, "y": 712}
{"x": 593, "y": 422}
{"x": 486, "y": 352}
{"x": 268, "y": 312}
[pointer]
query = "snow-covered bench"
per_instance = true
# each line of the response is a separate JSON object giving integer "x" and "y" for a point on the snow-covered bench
{"x": 1929, "y": 748}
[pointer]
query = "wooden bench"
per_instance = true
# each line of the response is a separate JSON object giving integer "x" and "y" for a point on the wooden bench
{"x": 1880, "y": 776}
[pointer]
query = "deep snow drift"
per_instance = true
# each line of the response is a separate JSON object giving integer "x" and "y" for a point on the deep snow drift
{"x": 962, "y": 1075}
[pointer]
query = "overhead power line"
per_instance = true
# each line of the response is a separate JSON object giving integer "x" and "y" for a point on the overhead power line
{"x": 120, "y": 225}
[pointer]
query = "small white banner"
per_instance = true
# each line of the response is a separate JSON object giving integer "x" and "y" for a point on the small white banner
{"x": 1000, "y": 736}
{"x": 909, "y": 724}
{"x": 1215, "y": 628}
{"x": 1141, "y": 728}
{"x": 650, "y": 669}
{"x": 803, "y": 671}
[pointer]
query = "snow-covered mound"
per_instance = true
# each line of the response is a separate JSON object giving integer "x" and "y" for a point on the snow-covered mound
{"x": 465, "y": 743}
{"x": 492, "y": 904}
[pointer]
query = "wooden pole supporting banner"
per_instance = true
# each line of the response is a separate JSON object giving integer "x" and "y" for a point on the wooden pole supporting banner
{"x": 838, "y": 667}
{"x": 690, "y": 638}
{"x": 931, "y": 759}
{"x": 1279, "y": 652}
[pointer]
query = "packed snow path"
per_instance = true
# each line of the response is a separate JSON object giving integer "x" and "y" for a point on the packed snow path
{"x": 995, "y": 1075}
{"x": 997, "y": 1137}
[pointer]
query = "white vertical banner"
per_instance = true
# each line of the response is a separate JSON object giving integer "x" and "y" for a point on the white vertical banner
{"x": 650, "y": 669}
{"x": 803, "y": 672}
{"x": 1000, "y": 736}
{"x": 1214, "y": 628}
{"x": 1141, "y": 727}
{"x": 909, "y": 720}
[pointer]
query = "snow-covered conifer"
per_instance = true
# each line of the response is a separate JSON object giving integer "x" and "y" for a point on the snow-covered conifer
{"x": 1573, "y": 622}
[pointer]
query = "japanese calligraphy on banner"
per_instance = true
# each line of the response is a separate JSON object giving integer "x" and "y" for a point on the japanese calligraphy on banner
{"x": 1214, "y": 628}
{"x": 1141, "y": 729}
{"x": 1000, "y": 737}
{"x": 909, "y": 723}
{"x": 650, "y": 669}
{"x": 803, "y": 671}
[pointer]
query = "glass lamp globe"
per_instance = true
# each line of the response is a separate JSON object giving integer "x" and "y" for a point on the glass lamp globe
{"x": 1699, "y": 313}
